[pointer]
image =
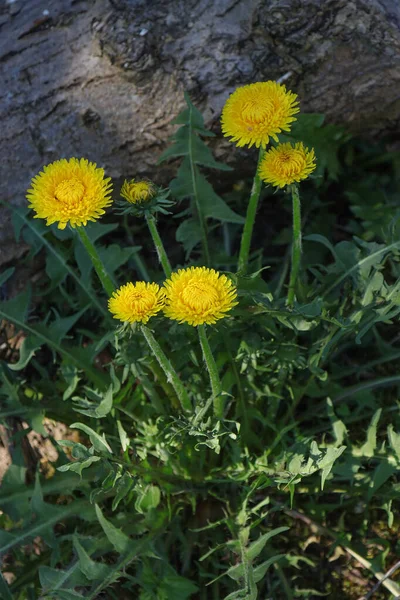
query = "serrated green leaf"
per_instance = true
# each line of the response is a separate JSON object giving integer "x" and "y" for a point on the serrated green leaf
{"x": 382, "y": 473}
{"x": 123, "y": 487}
{"x": 394, "y": 440}
{"x": 368, "y": 449}
{"x": 189, "y": 235}
{"x": 106, "y": 404}
{"x": 339, "y": 428}
{"x": 326, "y": 463}
{"x": 148, "y": 499}
{"x": 6, "y": 275}
{"x": 14, "y": 312}
{"x": 124, "y": 439}
{"x": 38, "y": 231}
{"x": 39, "y": 527}
{"x": 91, "y": 569}
{"x": 254, "y": 549}
{"x": 78, "y": 467}
{"x": 70, "y": 374}
{"x": 114, "y": 256}
{"x": 99, "y": 442}
{"x": 115, "y": 536}
{"x": 5, "y": 592}
{"x": 27, "y": 350}
{"x": 52, "y": 580}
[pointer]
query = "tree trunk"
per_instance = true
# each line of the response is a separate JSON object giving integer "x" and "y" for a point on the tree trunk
{"x": 103, "y": 79}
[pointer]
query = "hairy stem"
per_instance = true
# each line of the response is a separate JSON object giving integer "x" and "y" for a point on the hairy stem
{"x": 296, "y": 245}
{"x": 212, "y": 371}
{"x": 250, "y": 219}
{"x": 168, "y": 369}
{"x": 162, "y": 255}
{"x": 102, "y": 274}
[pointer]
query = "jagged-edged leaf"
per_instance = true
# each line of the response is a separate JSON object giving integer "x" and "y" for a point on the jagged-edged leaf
{"x": 382, "y": 473}
{"x": 369, "y": 447}
{"x": 325, "y": 139}
{"x": 96, "y": 230}
{"x": 339, "y": 428}
{"x": 114, "y": 256}
{"x": 70, "y": 374}
{"x": 27, "y": 350}
{"x": 254, "y": 549}
{"x": 99, "y": 442}
{"x": 5, "y": 592}
{"x": 69, "y": 595}
{"x": 327, "y": 462}
{"x": 237, "y": 572}
{"x": 148, "y": 499}
{"x": 115, "y": 536}
{"x": 91, "y": 569}
{"x": 39, "y": 527}
{"x": 123, "y": 487}
{"x": 189, "y": 235}
{"x": 190, "y": 183}
{"x": 123, "y": 436}
{"x": 213, "y": 206}
{"x": 394, "y": 441}
{"x": 6, "y": 275}
{"x": 353, "y": 264}
{"x": 99, "y": 408}
{"x": 37, "y": 231}
{"x": 15, "y": 311}
{"x": 52, "y": 580}
{"x": 12, "y": 482}
{"x": 187, "y": 142}
{"x": 78, "y": 467}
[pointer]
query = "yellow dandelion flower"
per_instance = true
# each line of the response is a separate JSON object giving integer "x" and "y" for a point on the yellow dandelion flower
{"x": 136, "y": 192}
{"x": 138, "y": 301}
{"x": 256, "y": 112}
{"x": 287, "y": 164}
{"x": 198, "y": 295}
{"x": 70, "y": 191}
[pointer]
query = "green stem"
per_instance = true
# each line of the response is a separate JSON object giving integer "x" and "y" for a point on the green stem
{"x": 102, "y": 274}
{"x": 296, "y": 246}
{"x": 212, "y": 371}
{"x": 250, "y": 218}
{"x": 199, "y": 211}
{"x": 162, "y": 255}
{"x": 168, "y": 369}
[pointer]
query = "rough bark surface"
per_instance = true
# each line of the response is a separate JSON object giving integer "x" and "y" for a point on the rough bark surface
{"x": 103, "y": 79}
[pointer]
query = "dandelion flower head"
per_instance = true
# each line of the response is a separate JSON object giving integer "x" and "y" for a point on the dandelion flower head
{"x": 136, "y": 302}
{"x": 198, "y": 295}
{"x": 256, "y": 112}
{"x": 136, "y": 192}
{"x": 70, "y": 191}
{"x": 287, "y": 164}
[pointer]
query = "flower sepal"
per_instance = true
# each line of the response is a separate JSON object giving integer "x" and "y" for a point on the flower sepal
{"x": 143, "y": 198}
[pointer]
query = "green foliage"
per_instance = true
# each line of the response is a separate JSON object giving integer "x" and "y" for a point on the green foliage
{"x": 151, "y": 502}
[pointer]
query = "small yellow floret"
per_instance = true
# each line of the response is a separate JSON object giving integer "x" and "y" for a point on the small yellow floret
{"x": 136, "y": 192}
{"x": 70, "y": 191}
{"x": 256, "y": 112}
{"x": 136, "y": 302}
{"x": 287, "y": 164}
{"x": 198, "y": 295}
